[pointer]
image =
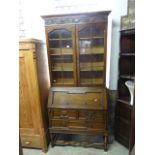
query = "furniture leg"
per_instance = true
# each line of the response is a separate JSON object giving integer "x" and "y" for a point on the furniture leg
{"x": 52, "y": 139}
{"x": 105, "y": 143}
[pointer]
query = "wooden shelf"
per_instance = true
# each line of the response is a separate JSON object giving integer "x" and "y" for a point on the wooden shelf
{"x": 92, "y": 64}
{"x": 58, "y": 69}
{"x": 62, "y": 67}
{"x": 95, "y": 37}
{"x": 62, "y": 64}
{"x": 64, "y": 81}
{"x": 97, "y": 81}
{"x": 92, "y": 69}
{"x": 60, "y": 51}
{"x": 127, "y": 32}
{"x": 96, "y": 66}
{"x": 81, "y": 143}
{"x": 125, "y": 100}
{"x": 93, "y": 50}
{"x": 60, "y": 39}
{"x": 59, "y": 54}
{"x": 132, "y": 77}
{"x": 127, "y": 54}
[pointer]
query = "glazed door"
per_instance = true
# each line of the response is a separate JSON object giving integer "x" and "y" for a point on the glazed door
{"x": 61, "y": 54}
{"x": 91, "y": 49}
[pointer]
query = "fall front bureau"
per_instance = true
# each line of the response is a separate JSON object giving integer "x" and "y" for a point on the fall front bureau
{"x": 78, "y": 110}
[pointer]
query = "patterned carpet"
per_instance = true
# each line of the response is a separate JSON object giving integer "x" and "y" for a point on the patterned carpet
{"x": 114, "y": 149}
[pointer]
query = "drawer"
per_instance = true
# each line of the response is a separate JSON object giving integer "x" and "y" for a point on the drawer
{"x": 67, "y": 123}
{"x": 96, "y": 125}
{"x": 31, "y": 141}
{"x": 92, "y": 115}
{"x": 80, "y": 101}
{"x": 62, "y": 114}
{"x": 58, "y": 123}
{"x": 77, "y": 124}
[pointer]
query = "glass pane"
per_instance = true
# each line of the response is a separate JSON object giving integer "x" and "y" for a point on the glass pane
{"x": 66, "y": 43}
{"x": 56, "y": 63}
{"x": 96, "y": 31}
{"x": 67, "y": 63}
{"x": 54, "y": 34}
{"x": 91, "y": 77}
{"x": 68, "y": 78}
{"x": 98, "y": 42}
{"x": 91, "y": 49}
{"x": 85, "y": 33}
{"x": 54, "y": 44}
{"x": 57, "y": 78}
{"x": 85, "y": 43}
{"x": 61, "y": 56}
{"x": 65, "y": 34}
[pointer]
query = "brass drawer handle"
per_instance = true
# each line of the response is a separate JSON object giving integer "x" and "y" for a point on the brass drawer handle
{"x": 95, "y": 100}
{"x": 27, "y": 143}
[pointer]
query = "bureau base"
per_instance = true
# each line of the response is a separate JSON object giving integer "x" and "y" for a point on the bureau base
{"x": 78, "y": 111}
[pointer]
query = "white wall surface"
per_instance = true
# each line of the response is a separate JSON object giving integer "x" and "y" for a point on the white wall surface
{"x": 34, "y": 25}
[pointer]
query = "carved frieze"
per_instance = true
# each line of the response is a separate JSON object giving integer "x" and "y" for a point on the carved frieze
{"x": 75, "y": 18}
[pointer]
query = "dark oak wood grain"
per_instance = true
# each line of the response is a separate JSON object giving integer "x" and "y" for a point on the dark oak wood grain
{"x": 77, "y": 47}
{"x": 76, "y": 117}
{"x": 124, "y": 111}
{"x": 82, "y": 61}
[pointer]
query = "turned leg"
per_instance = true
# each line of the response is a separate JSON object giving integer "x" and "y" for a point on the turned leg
{"x": 105, "y": 143}
{"x": 52, "y": 139}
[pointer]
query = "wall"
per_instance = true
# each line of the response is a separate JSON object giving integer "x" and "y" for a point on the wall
{"x": 32, "y": 26}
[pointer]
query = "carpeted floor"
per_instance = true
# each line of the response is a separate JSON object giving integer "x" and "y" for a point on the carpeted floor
{"x": 114, "y": 149}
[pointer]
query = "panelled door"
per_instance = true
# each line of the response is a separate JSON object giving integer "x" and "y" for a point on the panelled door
{"x": 30, "y": 122}
{"x": 61, "y": 55}
{"x": 91, "y": 53}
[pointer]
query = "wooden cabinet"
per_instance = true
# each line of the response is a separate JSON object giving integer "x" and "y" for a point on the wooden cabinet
{"x": 78, "y": 110}
{"x": 77, "y": 50}
{"x": 126, "y": 72}
{"x": 34, "y": 85}
{"x": 76, "y": 47}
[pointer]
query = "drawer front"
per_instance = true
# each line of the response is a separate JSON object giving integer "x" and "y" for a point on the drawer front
{"x": 31, "y": 141}
{"x": 62, "y": 114}
{"x": 98, "y": 126}
{"x": 80, "y": 101}
{"x": 96, "y": 115}
{"x": 77, "y": 124}
{"x": 58, "y": 123}
{"x": 92, "y": 115}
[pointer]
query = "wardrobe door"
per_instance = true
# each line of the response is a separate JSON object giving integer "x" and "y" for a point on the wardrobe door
{"x": 30, "y": 120}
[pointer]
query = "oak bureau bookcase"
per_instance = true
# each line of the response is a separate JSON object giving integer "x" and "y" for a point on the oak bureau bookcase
{"x": 76, "y": 47}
